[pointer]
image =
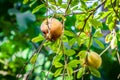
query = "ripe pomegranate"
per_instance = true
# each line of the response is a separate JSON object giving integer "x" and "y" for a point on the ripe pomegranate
{"x": 52, "y": 28}
{"x": 94, "y": 60}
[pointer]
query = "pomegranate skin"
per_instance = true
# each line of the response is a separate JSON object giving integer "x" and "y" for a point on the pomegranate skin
{"x": 52, "y": 28}
{"x": 94, "y": 60}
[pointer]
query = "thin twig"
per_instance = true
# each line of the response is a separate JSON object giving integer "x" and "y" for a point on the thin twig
{"x": 65, "y": 61}
{"x": 93, "y": 10}
{"x": 104, "y": 50}
{"x": 85, "y": 21}
{"x": 30, "y": 72}
{"x": 90, "y": 40}
{"x": 118, "y": 56}
{"x": 68, "y": 6}
{"x": 72, "y": 72}
{"x": 49, "y": 71}
{"x": 36, "y": 52}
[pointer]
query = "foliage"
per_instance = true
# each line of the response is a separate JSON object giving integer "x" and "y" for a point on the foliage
{"x": 88, "y": 25}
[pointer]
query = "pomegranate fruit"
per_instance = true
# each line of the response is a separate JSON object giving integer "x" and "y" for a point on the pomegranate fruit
{"x": 52, "y": 28}
{"x": 94, "y": 60}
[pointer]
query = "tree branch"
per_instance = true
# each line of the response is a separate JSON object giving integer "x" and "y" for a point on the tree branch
{"x": 36, "y": 52}
{"x": 93, "y": 10}
{"x": 65, "y": 60}
{"x": 68, "y": 6}
{"x": 85, "y": 21}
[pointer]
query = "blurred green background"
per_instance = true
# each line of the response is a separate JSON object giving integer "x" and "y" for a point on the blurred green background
{"x": 18, "y": 26}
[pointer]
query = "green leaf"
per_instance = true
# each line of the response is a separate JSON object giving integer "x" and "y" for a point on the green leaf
{"x": 69, "y": 52}
{"x": 87, "y": 28}
{"x": 38, "y": 38}
{"x": 69, "y": 71}
{"x": 73, "y": 63}
{"x": 33, "y": 59}
{"x": 88, "y": 41}
{"x": 57, "y": 72}
{"x": 95, "y": 23}
{"x": 57, "y": 58}
{"x": 69, "y": 77}
{"x": 37, "y": 8}
{"x": 32, "y": 3}
{"x": 107, "y": 3}
{"x": 79, "y": 24}
{"x": 100, "y": 44}
{"x": 111, "y": 25}
{"x": 68, "y": 33}
{"x": 80, "y": 72}
{"x": 109, "y": 19}
{"x": 57, "y": 64}
{"x": 64, "y": 38}
{"x": 60, "y": 1}
{"x": 108, "y": 38}
{"x": 72, "y": 41}
{"x": 55, "y": 45}
{"x": 98, "y": 33}
{"x": 25, "y": 1}
{"x": 83, "y": 5}
{"x": 82, "y": 54}
{"x": 94, "y": 72}
{"x": 104, "y": 14}
{"x": 79, "y": 41}
{"x": 94, "y": 4}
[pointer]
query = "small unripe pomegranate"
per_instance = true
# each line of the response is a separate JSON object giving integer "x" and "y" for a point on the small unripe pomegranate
{"x": 94, "y": 60}
{"x": 52, "y": 28}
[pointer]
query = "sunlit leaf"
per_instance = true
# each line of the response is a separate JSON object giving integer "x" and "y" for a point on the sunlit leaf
{"x": 58, "y": 71}
{"x": 95, "y": 23}
{"x": 64, "y": 38}
{"x": 69, "y": 52}
{"x": 111, "y": 25}
{"x": 94, "y": 72}
{"x": 73, "y": 63}
{"x": 68, "y": 33}
{"x": 104, "y": 14}
{"x": 99, "y": 43}
{"x": 95, "y": 4}
{"x": 109, "y": 19}
{"x": 68, "y": 77}
{"x": 72, "y": 41}
{"x": 80, "y": 72}
{"x": 31, "y": 4}
{"x": 69, "y": 70}
{"x": 79, "y": 24}
{"x": 83, "y": 5}
{"x": 57, "y": 58}
{"x": 37, "y": 8}
{"x": 89, "y": 42}
{"x": 38, "y": 38}
{"x": 98, "y": 33}
{"x": 108, "y": 38}
{"x": 82, "y": 54}
{"x": 58, "y": 64}
{"x": 25, "y": 1}
{"x": 33, "y": 59}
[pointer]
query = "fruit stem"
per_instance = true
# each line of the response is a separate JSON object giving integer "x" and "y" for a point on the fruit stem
{"x": 104, "y": 51}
